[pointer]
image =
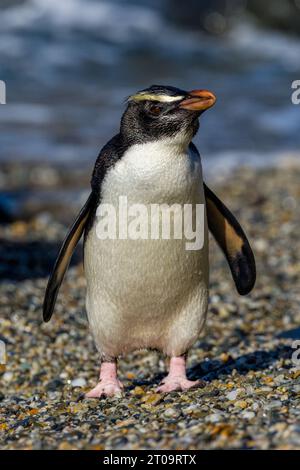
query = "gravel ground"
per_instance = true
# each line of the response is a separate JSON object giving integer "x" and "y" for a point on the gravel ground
{"x": 251, "y": 395}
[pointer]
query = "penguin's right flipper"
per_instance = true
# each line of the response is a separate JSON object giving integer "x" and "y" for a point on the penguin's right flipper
{"x": 64, "y": 257}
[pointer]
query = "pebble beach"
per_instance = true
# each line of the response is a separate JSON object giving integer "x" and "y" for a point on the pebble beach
{"x": 250, "y": 398}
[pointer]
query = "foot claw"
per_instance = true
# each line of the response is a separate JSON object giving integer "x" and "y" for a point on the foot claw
{"x": 106, "y": 389}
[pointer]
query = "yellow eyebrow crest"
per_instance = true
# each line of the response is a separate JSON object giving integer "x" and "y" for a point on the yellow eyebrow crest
{"x": 153, "y": 97}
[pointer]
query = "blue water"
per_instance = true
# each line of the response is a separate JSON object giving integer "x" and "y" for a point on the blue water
{"x": 69, "y": 64}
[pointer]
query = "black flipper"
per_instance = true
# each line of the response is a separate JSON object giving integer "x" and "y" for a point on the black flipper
{"x": 64, "y": 257}
{"x": 107, "y": 157}
{"x": 233, "y": 242}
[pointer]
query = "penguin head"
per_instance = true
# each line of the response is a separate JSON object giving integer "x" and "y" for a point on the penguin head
{"x": 161, "y": 112}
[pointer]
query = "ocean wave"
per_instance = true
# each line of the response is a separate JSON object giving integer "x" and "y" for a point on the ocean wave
{"x": 69, "y": 64}
{"x": 137, "y": 25}
{"x": 265, "y": 43}
{"x": 115, "y": 19}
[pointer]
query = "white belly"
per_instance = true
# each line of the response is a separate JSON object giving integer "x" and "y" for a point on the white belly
{"x": 148, "y": 293}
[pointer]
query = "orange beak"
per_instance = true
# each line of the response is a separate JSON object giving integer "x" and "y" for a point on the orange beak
{"x": 199, "y": 100}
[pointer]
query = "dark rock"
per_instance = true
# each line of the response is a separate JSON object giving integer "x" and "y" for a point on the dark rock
{"x": 54, "y": 385}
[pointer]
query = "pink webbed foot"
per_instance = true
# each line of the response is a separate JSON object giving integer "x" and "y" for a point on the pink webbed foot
{"x": 106, "y": 389}
{"x": 177, "y": 380}
{"x": 170, "y": 384}
{"x": 109, "y": 385}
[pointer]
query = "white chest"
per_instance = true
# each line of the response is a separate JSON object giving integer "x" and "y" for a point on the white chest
{"x": 137, "y": 288}
{"x": 158, "y": 172}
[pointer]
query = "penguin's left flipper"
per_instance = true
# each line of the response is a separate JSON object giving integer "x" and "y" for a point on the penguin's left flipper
{"x": 64, "y": 257}
{"x": 233, "y": 242}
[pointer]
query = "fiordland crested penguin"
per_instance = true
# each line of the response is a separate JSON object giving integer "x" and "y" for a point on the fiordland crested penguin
{"x": 151, "y": 292}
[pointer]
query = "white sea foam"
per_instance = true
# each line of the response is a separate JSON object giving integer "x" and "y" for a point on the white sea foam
{"x": 267, "y": 44}
{"x": 116, "y": 19}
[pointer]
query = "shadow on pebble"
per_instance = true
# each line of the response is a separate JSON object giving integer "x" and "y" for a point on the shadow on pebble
{"x": 30, "y": 260}
{"x": 290, "y": 334}
{"x": 258, "y": 360}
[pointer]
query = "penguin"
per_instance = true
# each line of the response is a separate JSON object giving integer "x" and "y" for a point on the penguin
{"x": 151, "y": 293}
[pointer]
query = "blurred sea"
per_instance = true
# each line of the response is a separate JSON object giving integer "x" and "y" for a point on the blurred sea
{"x": 69, "y": 65}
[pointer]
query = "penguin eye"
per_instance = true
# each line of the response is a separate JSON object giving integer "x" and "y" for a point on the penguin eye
{"x": 155, "y": 110}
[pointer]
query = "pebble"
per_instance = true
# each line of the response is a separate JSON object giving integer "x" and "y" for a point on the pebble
{"x": 232, "y": 395}
{"x": 296, "y": 388}
{"x": 266, "y": 389}
{"x": 214, "y": 418}
{"x": 241, "y": 404}
{"x": 248, "y": 414}
{"x": 7, "y": 376}
{"x": 172, "y": 413}
{"x": 273, "y": 404}
{"x": 79, "y": 382}
{"x": 152, "y": 399}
